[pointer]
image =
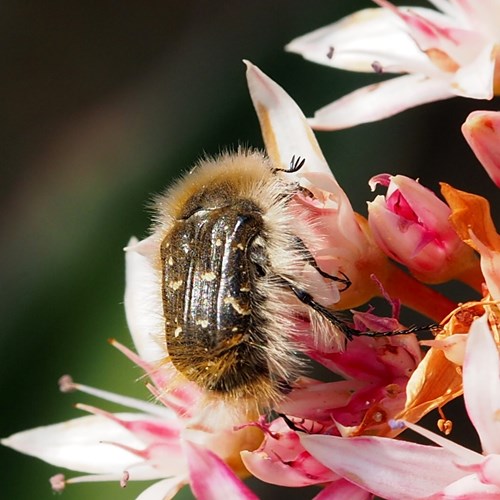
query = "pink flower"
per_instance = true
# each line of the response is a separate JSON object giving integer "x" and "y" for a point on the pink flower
{"x": 395, "y": 469}
{"x": 411, "y": 225}
{"x": 482, "y": 131}
{"x": 155, "y": 443}
{"x": 442, "y": 54}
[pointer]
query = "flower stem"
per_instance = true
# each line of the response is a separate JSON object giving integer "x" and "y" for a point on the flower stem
{"x": 473, "y": 277}
{"x": 417, "y": 296}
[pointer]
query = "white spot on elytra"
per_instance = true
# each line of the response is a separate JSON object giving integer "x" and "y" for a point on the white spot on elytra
{"x": 237, "y": 306}
{"x": 209, "y": 276}
{"x": 177, "y": 331}
{"x": 175, "y": 285}
{"x": 202, "y": 322}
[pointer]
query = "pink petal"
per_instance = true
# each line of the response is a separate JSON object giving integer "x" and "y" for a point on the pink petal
{"x": 482, "y": 131}
{"x": 380, "y": 100}
{"x": 387, "y": 467}
{"x": 78, "y": 445}
{"x": 143, "y": 305}
{"x": 284, "y": 127}
{"x": 163, "y": 490}
{"x": 489, "y": 471}
{"x": 468, "y": 488}
{"x": 211, "y": 478}
{"x": 481, "y": 379}
{"x": 276, "y": 471}
{"x": 343, "y": 490}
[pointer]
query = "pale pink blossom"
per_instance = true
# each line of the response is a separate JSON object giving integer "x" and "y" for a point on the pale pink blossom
{"x": 482, "y": 131}
{"x": 395, "y": 469}
{"x": 453, "y": 51}
{"x": 410, "y": 223}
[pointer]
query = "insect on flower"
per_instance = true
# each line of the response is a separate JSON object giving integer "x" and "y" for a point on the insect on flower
{"x": 238, "y": 282}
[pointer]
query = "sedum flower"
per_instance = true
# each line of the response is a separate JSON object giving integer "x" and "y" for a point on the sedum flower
{"x": 453, "y": 51}
{"x": 482, "y": 131}
{"x": 183, "y": 440}
{"x": 395, "y": 469}
{"x": 411, "y": 225}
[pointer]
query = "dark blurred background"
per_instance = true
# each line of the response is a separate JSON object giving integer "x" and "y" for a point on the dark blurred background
{"x": 102, "y": 104}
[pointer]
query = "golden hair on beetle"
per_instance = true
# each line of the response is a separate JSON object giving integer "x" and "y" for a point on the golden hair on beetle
{"x": 237, "y": 279}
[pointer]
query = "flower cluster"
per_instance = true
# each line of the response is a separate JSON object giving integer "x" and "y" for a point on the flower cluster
{"x": 338, "y": 434}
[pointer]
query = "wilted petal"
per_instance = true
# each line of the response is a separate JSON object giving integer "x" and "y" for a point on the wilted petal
{"x": 452, "y": 346}
{"x": 387, "y": 467}
{"x": 143, "y": 305}
{"x": 482, "y": 131}
{"x": 481, "y": 378}
{"x": 78, "y": 445}
{"x": 211, "y": 478}
{"x": 380, "y": 100}
{"x": 471, "y": 220}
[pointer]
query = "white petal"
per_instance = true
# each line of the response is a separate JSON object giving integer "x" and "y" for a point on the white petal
{"x": 284, "y": 127}
{"x": 78, "y": 445}
{"x": 359, "y": 40}
{"x": 143, "y": 305}
{"x": 481, "y": 378}
{"x": 163, "y": 490}
{"x": 475, "y": 80}
{"x": 380, "y": 100}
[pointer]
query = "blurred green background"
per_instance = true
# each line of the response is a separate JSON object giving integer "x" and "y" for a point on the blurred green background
{"x": 103, "y": 103}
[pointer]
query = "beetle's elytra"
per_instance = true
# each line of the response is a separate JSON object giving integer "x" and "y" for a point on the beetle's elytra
{"x": 234, "y": 278}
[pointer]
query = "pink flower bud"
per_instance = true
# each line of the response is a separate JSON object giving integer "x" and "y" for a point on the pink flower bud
{"x": 410, "y": 224}
{"x": 482, "y": 131}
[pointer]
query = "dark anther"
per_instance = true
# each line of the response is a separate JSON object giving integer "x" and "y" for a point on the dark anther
{"x": 330, "y": 52}
{"x": 377, "y": 67}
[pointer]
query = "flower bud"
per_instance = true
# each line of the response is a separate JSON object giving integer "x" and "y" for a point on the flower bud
{"x": 410, "y": 224}
{"x": 482, "y": 131}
